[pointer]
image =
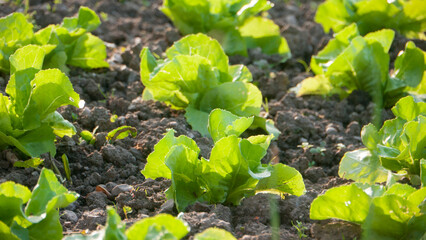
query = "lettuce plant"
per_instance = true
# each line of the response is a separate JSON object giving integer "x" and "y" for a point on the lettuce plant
{"x": 350, "y": 62}
{"x": 395, "y": 212}
{"x": 68, "y": 43}
{"x": 39, "y": 218}
{"x": 196, "y": 77}
{"x": 28, "y": 117}
{"x": 161, "y": 227}
{"x": 232, "y": 22}
{"x": 405, "y": 16}
{"x": 233, "y": 172}
{"x": 397, "y": 150}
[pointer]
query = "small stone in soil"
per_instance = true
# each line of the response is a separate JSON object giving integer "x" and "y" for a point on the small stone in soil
{"x": 69, "y": 216}
{"x": 167, "y": 207}
{"x": 110, "y": 185}
{"x": 120, "y": 189}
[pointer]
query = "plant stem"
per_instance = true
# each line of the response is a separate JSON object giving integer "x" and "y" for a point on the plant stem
{"x": 275, "y": 218}
{"x": 27, "y": 6}
{"x": 55, "y": 168}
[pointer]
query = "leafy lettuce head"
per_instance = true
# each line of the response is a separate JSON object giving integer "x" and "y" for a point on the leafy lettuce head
{"x": 232, "y": 22}
{"x": 196, "y": 77}
{"x": 28, "y": 117}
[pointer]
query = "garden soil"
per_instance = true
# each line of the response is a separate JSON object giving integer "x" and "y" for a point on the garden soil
{"x": 108, "y": 173}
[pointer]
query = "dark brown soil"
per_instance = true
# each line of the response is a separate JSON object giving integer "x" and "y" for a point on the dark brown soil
{"x": 330, "y": 125}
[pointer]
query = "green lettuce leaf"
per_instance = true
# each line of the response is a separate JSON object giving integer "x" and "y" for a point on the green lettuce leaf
{"x": 349, "y": 203}
{"x": 37, "y": 141}
{"x": 181, "y": 80}
{"x": 201, "y": 45}
{"x": 243, "y": 99}
{"x": 154, "y": 227}
{"x": 51, "y": 90}
{"x": 15, "y": 32}
{"x": 186, "y": 170}
{"x": 341, "y": 40}
{"x": 423, "y": 172}
{"x": 409, "y": 65}
{"x": 6, "y": 233}
{"x": 89, "y": 52}
{"x": 239, "y": 98}
{"x": 223, "y": 123}
{"x": 114, "y": 228}
{"x": 189, "y": 16}
{"x": 233, "y": 23}
{"x": 214, "y": 233}
{"x": 156, "y": 166}
{"x": 30, "y": 56}
{"x": 69, "y": 43}
{"x": 60, "y": 126}
{"x": 48, "y": 227}
{"x": 363, "y": 166}
{"x": 197, "y": 119}
{"x": 227, "y": 172}
{"x": 408, "y": 109}
{"x": 5, "y": 121}
{"x": 406, "y": 17}
{"x": 86, "y": 19}
{"x": 264, "y": 33}
{"x": 393, "y": 216}
{"x": 12, "y": 197}
{"x": 283, "y": 180}
{"x": 231, "y": 40}
{"x": 392, "y": 213}
{"x": 47, "y": 196}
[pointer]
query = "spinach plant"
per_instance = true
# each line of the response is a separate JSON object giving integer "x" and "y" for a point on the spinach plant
{"x": 33, "y": 215}
{"x": 395, "y": 212}
{"x": 350, "y": 62}
{"x": 405, "y": 16}
{"x": 68, "y": 43}
{"x": 196, "y": 77}
{"x": 161, "y": 227}
{"x": 233, "y": 172}
{"x": 397, "y": 150}
{"x": 232, "y": 22}
{"x": 28, "y": 117}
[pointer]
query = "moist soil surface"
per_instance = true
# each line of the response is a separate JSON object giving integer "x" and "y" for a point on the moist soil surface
{"x": 108, "y": 172}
